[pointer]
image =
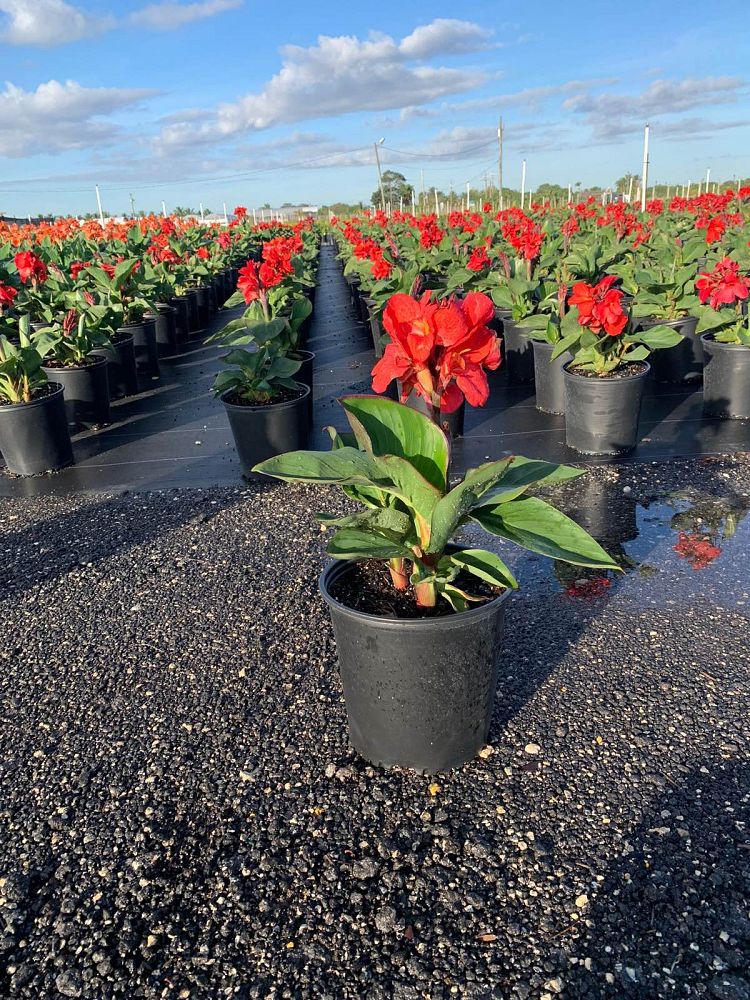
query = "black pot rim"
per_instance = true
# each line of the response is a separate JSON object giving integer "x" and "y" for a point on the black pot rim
{"x": 164, "y": 307}
{"x": 337, "y": 567}
{"x": 134, "y": 326}
{"x": 305, "y": 355}
{"x": 37, "y": 402}
{"x": 96, "y": 359}
{"x": 708, "y": 338}
{"x": 266, "y": 406}
{"x": 655, "y": 321}
{"x": 604, "y": 381}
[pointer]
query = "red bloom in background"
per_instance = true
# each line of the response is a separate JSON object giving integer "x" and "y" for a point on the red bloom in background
{"x": 30, "y": 267}
{"x": 440, "y": 350}
{"x": 715, "y": 229}
{"x": 203, "y": 253}
{"x": 109, "y": 269}
{"x": 479, "y": 260}
{"x": 381, "y": 268}
{"x": 248, "y": 282}
{"x": 724, "y": 285}
{"x": 7, "y": 294}
{"x": 240, "y": 212}
{"x": 75, "y": 269}
{"x": 600, "y": 306}
{"x": 699, "y": 551}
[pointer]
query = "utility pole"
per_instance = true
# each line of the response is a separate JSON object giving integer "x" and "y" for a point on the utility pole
{"x": 164, "y": 209}
{"x": 132, "y": 206}
{"x": 380, "y": 173}
{"x": 708, "y": 177}
{"x": 437, "y": 205}
{"x": 500, "y": 162}
{"x": 200, "y": 205}
{"x": 468, "y": 196}
{"x": 226, "y": 217}
{"x": 630, "y": 190}
{"x": 422, "y": 196}
{"x": 644, "y": 178}
{"x": 523, "y": 182}
{"x": 99, "y": 203}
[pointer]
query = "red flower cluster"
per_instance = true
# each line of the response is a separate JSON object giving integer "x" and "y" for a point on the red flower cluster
{"x": 439, "y": 349}
{"x": 7, "y": 294}
{"x": 600, "y": 306}
{"x": 75, "y": 269}
{"x": 724, "y": 285}
{"x": 255, "y": 279}
{"x": 277, "y": 259}
{"x": 479, "y": 260}
{"x": 203, "y": 253}
{"x": 430, "y": 233}
{"x": 30, "y": 267}
{"x": 715, "y": 227}
{"x": 698, "y": 551}
{"x": 240, "y": 212}
{"x": 524, "y": 236}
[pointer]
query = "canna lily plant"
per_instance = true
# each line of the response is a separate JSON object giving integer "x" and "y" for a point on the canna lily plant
{"x": 720, "y": 290}
{"x": 598, "y": 332}
{"x": 394, "y": 463}
{"x": 21, "y": 373}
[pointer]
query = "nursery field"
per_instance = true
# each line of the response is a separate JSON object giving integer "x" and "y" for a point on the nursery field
{"x": 376, "y": 595}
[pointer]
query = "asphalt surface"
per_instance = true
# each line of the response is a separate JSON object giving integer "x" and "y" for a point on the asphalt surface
{"x": 181, "y": 814}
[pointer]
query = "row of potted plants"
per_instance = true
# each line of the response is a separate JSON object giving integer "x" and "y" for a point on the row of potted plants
{"x": 584, "y": 297}
{"x": 87, "y": 310}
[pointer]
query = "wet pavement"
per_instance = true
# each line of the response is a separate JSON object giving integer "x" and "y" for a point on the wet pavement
{"x": 176, "y": 434}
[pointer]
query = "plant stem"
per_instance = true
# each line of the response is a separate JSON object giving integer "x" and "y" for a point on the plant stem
{"x": 426, "y": 594}
{"x": 399, "y": 575}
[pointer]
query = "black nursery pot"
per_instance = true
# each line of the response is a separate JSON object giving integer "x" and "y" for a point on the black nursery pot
{"x": 144, "y": 343}
{"x": 419, "y": 692}
{"x": 203, "y": 300}
{"x": 122, "y": 374}
{"x": 452, "y": 423}
{"x": 602, "y": 414}
{"x": 726, "y": 379}
{"x": 681, "y": 362}
{"x": 549, "y": 380}
{"x": 34, "y": 437}
{"x": 194, "y": 319}
{"x": 260, "y": 432}
{"x": 181, "y": 305}
{"x": 305, "y": 375}
{"x": 86, "y": 392}
{"x": 519, "y": 353}
{"x": 165, "y": 319}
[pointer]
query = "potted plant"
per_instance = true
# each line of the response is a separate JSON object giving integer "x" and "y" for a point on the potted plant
{"x": 67, "y": 349}
{"x": 544, "y": 328}
{"x": 266, "y": 407}
{"x": 418, "y": 619}
{"x": 604, "y": 381}
{"x": 664, "y": 295}
{"x": 34, "y": 436}
{"x": 439, "y": 354}
{"x": 126, "y": 290}
{"x": 725, "y": 329}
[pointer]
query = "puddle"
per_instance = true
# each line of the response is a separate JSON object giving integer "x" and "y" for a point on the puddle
{"x": 682, "y": 547}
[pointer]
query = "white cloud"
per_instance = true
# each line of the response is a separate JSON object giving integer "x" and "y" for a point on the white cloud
{"x": 337, "y": 76}
{"x": 445, "y": 36}
{"x": 614, "y": 115}
{"x": 48, "y": 22}
{"x": 166, "y": 16}
{"x": 55, "y": 22}
{"x": 59, "y": 116}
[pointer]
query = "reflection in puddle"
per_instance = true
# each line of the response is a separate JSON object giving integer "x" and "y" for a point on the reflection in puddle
{"x": 668, "y": 535}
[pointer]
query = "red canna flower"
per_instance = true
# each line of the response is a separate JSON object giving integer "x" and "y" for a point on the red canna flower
{"x": 7, "y": 294}
{"x": 248, "y": 281}
{"x": 722, "y": 286}
{"x": 240, "y": 212}
{"x": 75, "y": 269}
{"x": 715, "y": 229}
{"x": 479, "y": 260}
{"x": 440, "y": 350}
{"x": 600, "y": 306}
{"x": 203, "y": 253}
{"x": 30, "y": 267}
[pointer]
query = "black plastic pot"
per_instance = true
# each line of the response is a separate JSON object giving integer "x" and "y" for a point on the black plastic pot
{"x": 601, "y": 414}
{"x": 305, "y": 375}
{"x": 549, "y": 380}
{"x": 519, "y": 353}
{"x": 203, "y": 301}
{"x": 122, "y": 374}
{"x": 211, "y": 292}
{"x": 144, "y": 344}
{"x": 726, "y": 379}
{"x": 86, "y": 393}
{"x": 34, "y": 437}
{"x": 419, "y": 692}
{"x": 165, "y": 318}
{"x": 682, "y": 362}
{"x": 181, "y": 305}
{"x": 260, "y": 432}
{"x": 194, "y": 324}
{"x": 376, "y": 330}
{"x": 452, "y": 423}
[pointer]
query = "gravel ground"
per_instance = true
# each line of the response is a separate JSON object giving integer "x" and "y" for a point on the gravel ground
{"x": 181, "y": 815}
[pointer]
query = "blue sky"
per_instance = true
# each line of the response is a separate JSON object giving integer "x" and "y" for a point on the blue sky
{"x": 242, "y": 102}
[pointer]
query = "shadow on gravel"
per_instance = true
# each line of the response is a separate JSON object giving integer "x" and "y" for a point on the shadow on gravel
{"x": 674, "y": 909}
{"x": 94, "y": 532}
